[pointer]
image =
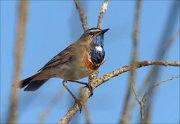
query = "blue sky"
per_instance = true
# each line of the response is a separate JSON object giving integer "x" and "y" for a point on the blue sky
{"x": 53, "y": 25}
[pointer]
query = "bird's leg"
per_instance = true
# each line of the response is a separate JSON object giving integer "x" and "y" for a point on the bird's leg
{"x": 76, "y": 100}
{"x": 79, "y": 82}
{"x": 87, "y": 85}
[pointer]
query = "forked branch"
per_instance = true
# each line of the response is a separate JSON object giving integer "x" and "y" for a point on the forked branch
{"x": 142, "y": 102}
{"x": 152, "y": 71}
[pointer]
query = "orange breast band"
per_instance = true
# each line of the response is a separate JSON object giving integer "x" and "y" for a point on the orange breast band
{"x": 88, "y": 63}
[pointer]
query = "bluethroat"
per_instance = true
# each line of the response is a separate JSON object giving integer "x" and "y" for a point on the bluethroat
{"x": 78, "y": 60}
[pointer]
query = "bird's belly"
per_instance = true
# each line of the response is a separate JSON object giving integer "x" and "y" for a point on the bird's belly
{"x": 83, "y": 72}
{"x": 72, "y": 72}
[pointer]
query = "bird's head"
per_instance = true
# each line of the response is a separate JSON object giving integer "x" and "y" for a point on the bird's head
{"x": 94, "y": 36}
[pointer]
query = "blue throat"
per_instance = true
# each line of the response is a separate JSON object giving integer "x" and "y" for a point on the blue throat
{"x": 97, "y": 56}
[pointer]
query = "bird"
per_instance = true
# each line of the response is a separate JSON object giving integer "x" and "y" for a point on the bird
{"x": 78, "y": 60}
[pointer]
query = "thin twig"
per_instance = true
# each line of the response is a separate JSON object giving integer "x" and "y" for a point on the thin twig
{"x": 124, "y": 118}
{"x": 165, "y": 49}
{"x": 51, "y": 104}
{"x": 143, "y": 101}
{"x": 102, "y": 12}
{"x": 156, "y": 85}
{"x": 82, "y": 15}
{"x": 87, "y": 114}
{"x": 135, "y": 49}
{"x": 169, "y": 43}
{"x": 23, "y": 6}
{"x": 85, "y": 93}
{"x": 166, "y": 34}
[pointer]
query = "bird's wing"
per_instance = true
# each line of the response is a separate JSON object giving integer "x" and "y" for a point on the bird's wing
{"x": 63, "y": 57}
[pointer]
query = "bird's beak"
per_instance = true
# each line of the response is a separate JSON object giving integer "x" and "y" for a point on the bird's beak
{"x": 104, "y": 31}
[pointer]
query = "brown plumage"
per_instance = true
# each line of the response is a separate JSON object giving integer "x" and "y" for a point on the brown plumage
{"x": 73, "y": 63}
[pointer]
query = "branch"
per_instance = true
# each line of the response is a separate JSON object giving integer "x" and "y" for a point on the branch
{"x": 102, "y": 12}
{"x": 143, "y": 101}
{"x": 153, "y": 70}
{"x": 87, "y": 114}
{"x": 161, "y": 53}
{"x": 156, "y": 85}
{"x": 169, "y": 43}
{"x": 82, "y": 15}
{"x": 134, "y": 60}
{"x": 85, "y": 93}
{"x": 135, "y": 53}
{"x": 170, "y": 25}
{"x": 18, "y": 61}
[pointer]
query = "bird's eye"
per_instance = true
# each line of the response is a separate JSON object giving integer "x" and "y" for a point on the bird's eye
{"x": 91, "y": 33}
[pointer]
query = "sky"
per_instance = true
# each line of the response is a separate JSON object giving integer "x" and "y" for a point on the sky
{"x": 53, "y": 25}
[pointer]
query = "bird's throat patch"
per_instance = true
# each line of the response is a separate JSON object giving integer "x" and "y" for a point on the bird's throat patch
{"x": 97, "y": 54}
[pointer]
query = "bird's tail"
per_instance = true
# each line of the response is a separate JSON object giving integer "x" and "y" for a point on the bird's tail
{"x": 30, "y": 83}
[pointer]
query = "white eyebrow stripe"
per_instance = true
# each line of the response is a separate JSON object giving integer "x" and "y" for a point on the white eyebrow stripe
{"x": 94, "y": 30}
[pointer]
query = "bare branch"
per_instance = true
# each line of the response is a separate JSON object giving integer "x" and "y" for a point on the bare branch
{"x": 82, "y": 15}
{"x": 87, "y": 114}
{"x": 134, "y": 60}
{"x": 72, "y": 111}
{"x": 143, "y": 101}
{"x": 117, "y": 72}
{"x": 165, "y": 49}
{"x": 23, "y": 6}
{"x": 169, "y": 43}
{"x": 135, "y": 49}
{"x": 102, "y": 12}
{"x": 85, "y": 93}
{"x": 162, "y": 52}
{"x": 170, "y": 25}
{"x": 156, "y": 85}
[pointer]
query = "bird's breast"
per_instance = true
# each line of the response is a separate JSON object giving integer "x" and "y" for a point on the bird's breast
{"x": 88, "y": 63}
